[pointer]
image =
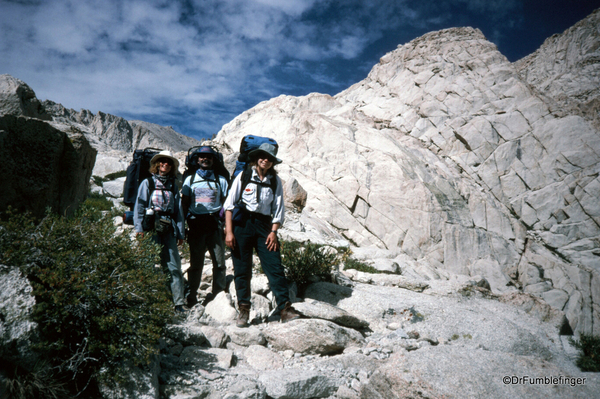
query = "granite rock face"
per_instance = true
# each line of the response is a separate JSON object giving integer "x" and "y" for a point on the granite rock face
{"x": 449, "y": 154}
{"x": 17, "y": 98}
{"x": 565, "y": 70}
{"x": 45, "y": 167}
{"x": 109, "y": 132}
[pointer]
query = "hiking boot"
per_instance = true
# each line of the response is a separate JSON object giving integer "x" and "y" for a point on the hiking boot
{"x": 288, "y": 313}
{"x": 180, "y": 309}
{"x": 243, "y": 316}
{"x": 191, "y": 301}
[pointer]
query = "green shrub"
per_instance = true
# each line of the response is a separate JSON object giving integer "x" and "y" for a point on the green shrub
{"x": 100, "y": 300}
{"x": 302, "y": 261}
{"x": 109, "y": 177}
{"x": 99, "y": 202}
{"x": 589, "y": 352}
{"x": 115, "y": 175}
{"x": 98, "y": 180}
{"x": 352, "y": 263}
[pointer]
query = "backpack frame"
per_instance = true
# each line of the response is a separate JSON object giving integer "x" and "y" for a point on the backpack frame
{"x": 191, "y": 164}
{"x": 137, "y": 171}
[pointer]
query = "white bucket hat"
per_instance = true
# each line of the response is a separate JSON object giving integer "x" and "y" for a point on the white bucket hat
{"x": 266, "y": 148}
{"x": 166, "y": 154}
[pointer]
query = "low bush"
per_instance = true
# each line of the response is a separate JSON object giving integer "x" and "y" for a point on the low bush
{"x": 352, "y": 263}
{"x": 98, "y": 180}
{"x": 98, "y": 201}
{"x": 589, "y": 352}
{"x": 100, "y": 300}
{"x": 115, "y": 175}
{"x": 302, "y": 261}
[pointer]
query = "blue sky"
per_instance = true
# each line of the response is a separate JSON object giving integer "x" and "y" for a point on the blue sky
{"x": 197, "y": 64}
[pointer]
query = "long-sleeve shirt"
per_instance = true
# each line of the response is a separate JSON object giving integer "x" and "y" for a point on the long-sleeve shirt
{"x": 171, "y": 206}
{"x": 269, "y": 203}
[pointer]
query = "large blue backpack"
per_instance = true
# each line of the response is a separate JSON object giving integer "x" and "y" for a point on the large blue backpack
{"x": 249, "y": 143}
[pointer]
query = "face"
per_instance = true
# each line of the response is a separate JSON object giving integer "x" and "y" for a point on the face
{"x": 164, "y": 166}
{"x": 205, "y": 161}
{"x": 264, "y": 162}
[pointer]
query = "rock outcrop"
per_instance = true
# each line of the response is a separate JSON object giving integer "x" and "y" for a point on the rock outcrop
{"x": 109, "y": 132}
{"x": 564, "y": 70}
{"x": 445, "y": 154}
{"x": 17, "y": 98}
{"x": 44, "y": 167}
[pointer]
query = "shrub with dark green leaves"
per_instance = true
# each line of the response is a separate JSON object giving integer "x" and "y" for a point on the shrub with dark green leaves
{"x": 352, "y": 263}
{"x": 589, "y": 352}
{"x": 98, "y": 201}
{"x": 100, "y": 300}
{"x": 115, "y": 175}
{"x": 302, "y": 261}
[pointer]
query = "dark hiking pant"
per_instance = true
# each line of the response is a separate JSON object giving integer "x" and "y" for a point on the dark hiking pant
{"x": 201, "y": 239}
{"x": 251, "y": 234}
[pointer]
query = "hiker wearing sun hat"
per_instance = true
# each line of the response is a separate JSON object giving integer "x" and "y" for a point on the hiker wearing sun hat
{"x": 158, "y": 212}
{"x": 257, "y": 197}
{"x": 265, "y": 149}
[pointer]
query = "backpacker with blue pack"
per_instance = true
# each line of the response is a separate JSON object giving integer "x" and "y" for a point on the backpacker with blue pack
{"x": 248, "y": 144}
{"x": 137, "y": 171}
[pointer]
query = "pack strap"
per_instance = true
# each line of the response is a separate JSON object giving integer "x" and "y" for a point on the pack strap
{"x": 152, "y": 188}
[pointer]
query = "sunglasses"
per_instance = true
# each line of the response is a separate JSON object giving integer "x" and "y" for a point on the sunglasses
{"x": 165, "y": 160}
{"x": 272, "y": 160}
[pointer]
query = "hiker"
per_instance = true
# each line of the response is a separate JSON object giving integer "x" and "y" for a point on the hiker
{"x": 253, "y": 213}
{"x": 202, "y": 197}
{"x": 157, "y": 211}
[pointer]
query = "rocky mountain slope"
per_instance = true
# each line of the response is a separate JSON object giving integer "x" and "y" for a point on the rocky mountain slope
{"x": 108, "y": 132}
{"x": 448, "y": 157}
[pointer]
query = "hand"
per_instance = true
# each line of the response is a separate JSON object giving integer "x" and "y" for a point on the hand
{"x": 140, "y": 235}
{"x": 230, "y": 240}
{"x": 272, "y": 243}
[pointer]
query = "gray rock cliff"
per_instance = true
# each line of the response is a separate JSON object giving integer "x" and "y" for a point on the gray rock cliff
{"x": 45, "y": 167}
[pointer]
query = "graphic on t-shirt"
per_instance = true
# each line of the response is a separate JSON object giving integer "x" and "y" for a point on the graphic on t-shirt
{"x": 205, "y": 195}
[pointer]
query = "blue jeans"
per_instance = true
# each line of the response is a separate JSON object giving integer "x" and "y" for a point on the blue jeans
{"x": 170, "y": 263}
{"x": 252, "y": 234}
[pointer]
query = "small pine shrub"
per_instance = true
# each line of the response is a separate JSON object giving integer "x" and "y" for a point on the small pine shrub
{"x": 589, "y": 352}
{"x": 98, "y": 201}
{"x": 302, "y": 261}
{"x": 98, "y": 180}
{"x": 115, "y": 175}
{"x": 100, "y": 301}
{"x": 109, "y": 177}
{"x": 352, "y": 263}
